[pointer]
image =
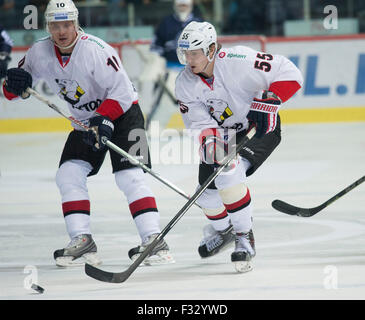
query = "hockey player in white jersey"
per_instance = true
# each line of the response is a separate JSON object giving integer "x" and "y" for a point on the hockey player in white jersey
{"x": 223, "y": 90}
{"x": 87, "y": 73}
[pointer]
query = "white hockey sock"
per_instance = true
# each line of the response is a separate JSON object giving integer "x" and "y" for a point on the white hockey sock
{"x": 218, "y": 217}
{"x": 147, "y": 224}
{"x": 242, "y": 220}
{"x": 77, "y": 224}
{"x": 142, "y": 203}
{"x": 237, "y": 201}
{"x": 214, "y": 209}
{"x": 71, "y": 180}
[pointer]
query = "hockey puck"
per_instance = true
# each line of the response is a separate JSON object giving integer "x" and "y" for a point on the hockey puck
{"x": 37, "y": 288}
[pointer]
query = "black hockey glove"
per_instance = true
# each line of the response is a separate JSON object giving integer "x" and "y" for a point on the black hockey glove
{"x": 17, "y": 81}
{"x": 263, "y": 113}
{"x": 100, "y": 127}
{"x": 4, "y": 61}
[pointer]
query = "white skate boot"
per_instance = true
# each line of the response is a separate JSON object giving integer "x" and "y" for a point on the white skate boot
{"x": 159, "y": 255}
{"x": 81, "y": 249}
{"x": 244, "y": 251}
{"x": 215, "y": 241}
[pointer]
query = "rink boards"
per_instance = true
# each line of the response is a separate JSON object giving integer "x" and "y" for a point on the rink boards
{"x": 333, "y": 69}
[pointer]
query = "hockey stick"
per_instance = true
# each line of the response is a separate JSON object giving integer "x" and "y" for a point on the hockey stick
{"x": 118, "y": 277}
{"x": 111, "y": 145}
{"x": 308, "y": 212}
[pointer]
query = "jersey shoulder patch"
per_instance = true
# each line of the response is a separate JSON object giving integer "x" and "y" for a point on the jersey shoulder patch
{"x": 89, "y": 39}
{"x": 233, "y": 53}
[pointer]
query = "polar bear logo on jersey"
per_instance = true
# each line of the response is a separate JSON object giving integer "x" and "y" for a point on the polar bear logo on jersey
{"x": 215, "y": 105}
{"x": 70, "y": 90}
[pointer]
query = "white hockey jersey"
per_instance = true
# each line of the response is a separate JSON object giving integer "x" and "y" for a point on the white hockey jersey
{"x": 92, "y": 74}
{"x": 240, "y": 75}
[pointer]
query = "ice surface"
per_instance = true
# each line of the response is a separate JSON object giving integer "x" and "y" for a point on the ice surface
{"x": 322, "y": 257}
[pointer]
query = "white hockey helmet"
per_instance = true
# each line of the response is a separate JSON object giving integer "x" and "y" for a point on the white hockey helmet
{"x": 196, "y": 35}
{"x": 61, "y": 10}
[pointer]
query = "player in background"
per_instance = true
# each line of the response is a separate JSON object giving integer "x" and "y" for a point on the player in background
{"x": 223, "y": 90}
{"x": 87, "y": 73}
{"x": 168, "y": 31}
{"x": 162, "y": 65}
{"x": 6, "y": 44}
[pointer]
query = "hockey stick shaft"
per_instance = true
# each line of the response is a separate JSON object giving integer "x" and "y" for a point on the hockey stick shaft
{"x": 111, "y": 145}
{"x": 344, "y": 191}
{"x": 147, "y": 169}
{"x": 55, "y": 108}
{"x": 105, "y": 276}
{"x": 287, "y": 208}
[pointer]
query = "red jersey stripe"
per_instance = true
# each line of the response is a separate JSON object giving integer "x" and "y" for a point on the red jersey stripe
{"x": 284, "y": 89}
{"x": 110, "y": 108}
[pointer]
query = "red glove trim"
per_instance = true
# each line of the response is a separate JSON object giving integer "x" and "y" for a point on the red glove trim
{"x": 207, "y": 133}
{"x": 8, "y": 95}
{"x": 111, "y": 109}
{"x": 284, "y": 89}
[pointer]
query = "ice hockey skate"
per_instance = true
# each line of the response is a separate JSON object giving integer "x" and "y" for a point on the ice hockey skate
{"x": 244, "y": 251}
{"x": 81, "y": 249}
{"x": 159, "y": 255}
{"x": 215, "y": 241}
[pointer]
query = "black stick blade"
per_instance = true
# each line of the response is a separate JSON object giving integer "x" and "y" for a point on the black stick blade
{"x": 293, "y": 210}
{"x": 303, "y": 212}
{"x": 105, "y": 276}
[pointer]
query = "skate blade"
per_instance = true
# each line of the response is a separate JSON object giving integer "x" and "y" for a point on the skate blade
{"x": 90, "y": 258}
{"x": 155, "y": 260}
{"x": 243, "y": 266}
{"x": 162, "y": 257}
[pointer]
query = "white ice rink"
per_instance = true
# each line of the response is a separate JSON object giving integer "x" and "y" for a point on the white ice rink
{"x": 322, "y": 257}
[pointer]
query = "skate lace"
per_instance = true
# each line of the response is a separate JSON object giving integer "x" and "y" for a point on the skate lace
{"x": 243, "y": 243}
{"x": 75, "y": 241}
{"x": 162, "y": 245}
{"x": 214, "y": 242}
{"x": 148, "y": 240}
